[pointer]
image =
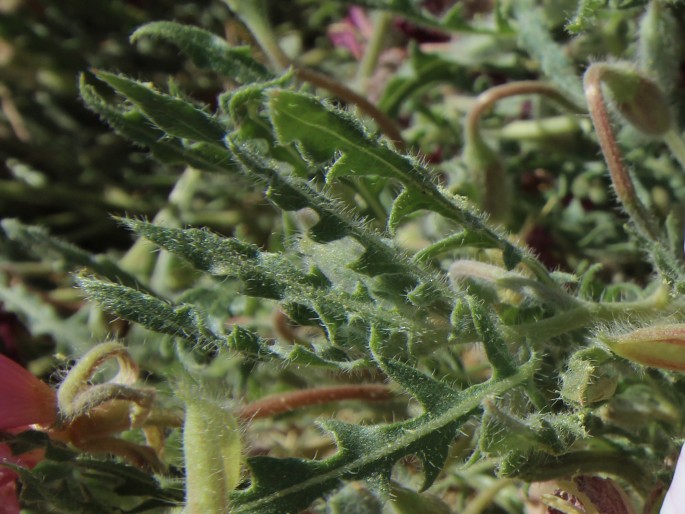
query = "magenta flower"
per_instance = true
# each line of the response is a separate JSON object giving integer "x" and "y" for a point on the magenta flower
{"x": 674, "y": 502}
{"x": 353, "y": 32}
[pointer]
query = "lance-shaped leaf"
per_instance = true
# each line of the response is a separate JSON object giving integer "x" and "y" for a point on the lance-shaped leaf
{"x": 326, "y": 134}
{"x": 289, "y": 485}
{"x": 407, "y": 202}
{"x": 187, "y": 322}
{"x": 207, "y": 50}
{"x": 152, "y": 312}
{"x": 43, "y": 245}
{"x": 334, "y": 222}
{"x": 344, "y": 316}
{"x": 222, "y": 257}
{"x": 173, "y": 115}
{"x": 134, "y": 126}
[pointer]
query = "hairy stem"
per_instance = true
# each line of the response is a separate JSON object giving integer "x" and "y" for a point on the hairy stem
{"x": 369, "y": 61}
{"x": 483, "y": 161}
{"x": 623, "y": 184}
{"x": 488, "y": 98}
{"x": 287, "y": 402}
{"x": 592, "y": 313}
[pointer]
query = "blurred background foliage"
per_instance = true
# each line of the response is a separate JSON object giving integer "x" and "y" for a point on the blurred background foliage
{"x": 65, "y": 170}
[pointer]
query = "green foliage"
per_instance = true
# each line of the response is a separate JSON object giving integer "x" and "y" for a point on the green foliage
{"x": 372, "y": 451}
{"x": 207, "y": 50}
{"x": 103, "y": 486}
{"x": 300, "y": 247}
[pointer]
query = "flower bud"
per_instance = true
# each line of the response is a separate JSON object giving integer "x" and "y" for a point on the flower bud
{"x": 590, "y": 377}
{"x": 661, "y": 347}
{"x": 638, "y": 99}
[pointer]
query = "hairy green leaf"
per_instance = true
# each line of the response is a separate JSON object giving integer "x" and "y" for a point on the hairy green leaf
{"x": 133, "y": 125}
{"x": 287, "y": 485}
{"x": 207, "y": 50}
{"x": 173, "y": 115}
{"x": 43, "y": 245}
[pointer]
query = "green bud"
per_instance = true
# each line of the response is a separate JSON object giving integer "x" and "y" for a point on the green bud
{"x": 590, "y": 378}
{"x": 639, "y": 100}
{"x": 661, "y": 347}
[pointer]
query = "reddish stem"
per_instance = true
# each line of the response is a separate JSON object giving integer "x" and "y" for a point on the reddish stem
{"x": 623, "y": 184}
{"x": 286, "y": 402}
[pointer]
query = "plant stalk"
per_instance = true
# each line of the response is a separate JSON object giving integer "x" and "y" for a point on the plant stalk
{"x": 620, "y": 178}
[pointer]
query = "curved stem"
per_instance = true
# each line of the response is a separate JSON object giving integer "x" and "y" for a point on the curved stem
{"x": 483, "y": 161}
{"x": 526, "y": 87}
{"x": 287, "y": 402}
{"x": 623, "y": 184}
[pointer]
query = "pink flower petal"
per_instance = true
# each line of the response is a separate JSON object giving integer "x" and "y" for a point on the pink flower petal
{"x": 24, "y": 399}
{"x": 674, "y": 503}
{"x": 360, "y": 20}
{"x": 344, "y": 35}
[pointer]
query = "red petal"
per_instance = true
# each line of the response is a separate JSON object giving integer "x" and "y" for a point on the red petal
{"x": 24, "y": 399}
